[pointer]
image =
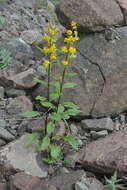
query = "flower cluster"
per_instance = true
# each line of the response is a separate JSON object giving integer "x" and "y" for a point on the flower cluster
{"x": 69, "y": 49}
{"x": 50, "y": 50}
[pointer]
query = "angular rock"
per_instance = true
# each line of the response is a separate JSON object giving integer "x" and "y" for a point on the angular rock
{"x": 19, "y": 105}
{"x": 94, "y": 15}
{"x": 87, "y": 183}
{"x": 21, "y": 157}
{"x": 106, "y": 155}
{"x": 95, "y": 135}
{"x": 1, "y": 92}
{"x": 5, "y": 135}
{"x": 98, "y": 124}
{"x": 31, "y": 36}
{"x": 15, "y": 92}
{"x": 24, "y": 79}
{"x": 123, "y": 6}
{"x": 66, "y": 181}
{"x": 23, "y": 181}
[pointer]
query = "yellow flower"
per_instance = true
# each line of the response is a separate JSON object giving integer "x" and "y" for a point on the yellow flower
{"x": 64, "y": 62}
{"x": 53, "y": 56}
{"x": 72, "y": 50}
{"x": 64, "y": 49}
{"x": 47, "y": 38}
{"x": 74, "y": 25}
{"x": 53, "y": 48}
{"x": 46, "y": 63}
{"x": 69, "y": 32}
{"x": 46, "y": 50}
{"x": 52, "y": 31}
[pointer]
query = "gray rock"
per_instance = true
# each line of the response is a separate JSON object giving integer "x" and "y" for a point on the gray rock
{"x": 2, "y": 123}
{"x": 15, "y": 92}
{"x": 23, "y": 157}
{"x": 106, "y": 155}
{"x": 4, "y": 134}
{"x": 74, "y": 129}
{"x": 95, "y": 135}
{"x": 31, "y": 36}
{"x": 35, "y": 126}
{"x": 98, "y": 124}
{"x": 1, "y": 92}
{"x": 88, "y": 184}
{"x": 2, "y": 142}
{"x": 94, "y": 15}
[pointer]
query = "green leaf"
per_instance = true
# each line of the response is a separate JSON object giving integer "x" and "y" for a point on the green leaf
{"x": 50, "y": 127}
{"x": 32, "y": 139}
{"x": 30, "y": 114}
{"x": 47, "y": 104}
{"x": 65, "y": 115}
{"x": 71, "y": 140}
{"x": 56, "y": 84}
{"x": 73, "y": 112}
{"x": 54, "y": 96}
{"x": 60, "y": 108}
{"x": 45, "y": 143}
{"x": 55, "y": 116}
{"x": 55, "y": 152}
{"x": 41, "y": 98}
{"x": 40, "y": 81}
{"x": 70, "y": 105}
{"x": 69, "y": 85}
{"x": 71, "y": 74}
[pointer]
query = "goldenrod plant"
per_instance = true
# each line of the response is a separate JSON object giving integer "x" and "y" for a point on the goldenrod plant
{"x": 56, "y": 110}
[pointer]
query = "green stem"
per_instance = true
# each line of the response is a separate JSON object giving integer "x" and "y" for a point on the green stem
{"x": 48, "y": 96}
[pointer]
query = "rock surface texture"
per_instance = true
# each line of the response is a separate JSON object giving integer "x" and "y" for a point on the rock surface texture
{"x": 94, "y": 16}
{"x": 107, "y": 155}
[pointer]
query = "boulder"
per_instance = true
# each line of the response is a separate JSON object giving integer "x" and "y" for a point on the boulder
{"x": 101, "y": 68}
{"x": 18, "y": 156}
{"x": 123, "y": 6}
{"x": 106, "y": 155}
{"x": 94, "y": 16}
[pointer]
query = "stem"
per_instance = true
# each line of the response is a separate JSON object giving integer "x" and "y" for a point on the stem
{"x": 48, "y": 94}
{"x": 61, "y": 87}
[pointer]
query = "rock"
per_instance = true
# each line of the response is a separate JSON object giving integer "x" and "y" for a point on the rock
{"x": 2, "y": 122}
{"x": 123, "y": 6}
{"x": 66, "y": 180}
{"x": 19, "y": 105}
{"x": 14, "y": 92}
{"x": 74, "y": 130}
{"x": 3, "y": 186}
{"x": 5, "y": 135}
{"x": 94, "y": 16}
{"x": 95, "y": 135}
{"x": 24, "y": 79}
{"x": 22, "y": 158}
{"x": 35, "y": 126}
{"x": 22, "y": 181}
{"x": 2, "y": 142}
{"x": 1, "y": 92}
{"x": 106, "y": 155}
{"x": 31, "y": 36}
{"x": 98, "y": 124}
{"x": 87, "y": 183}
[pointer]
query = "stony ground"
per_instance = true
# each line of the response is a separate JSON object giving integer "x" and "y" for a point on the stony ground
{"x": 101, "y": 66}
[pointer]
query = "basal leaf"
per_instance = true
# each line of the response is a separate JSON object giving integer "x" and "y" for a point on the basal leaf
{"x": 71, "y": 140}
{"x": 69, "y": 85}
{"x": 50, "y": 127}
{"x": 40, "y": 81}
{"x": 55, "y": 152}
{"x": 30, "y": 114}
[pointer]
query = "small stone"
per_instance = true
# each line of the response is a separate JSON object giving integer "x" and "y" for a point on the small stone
{"x": 1, "y": 92}
{"x": 95, "y": 135}
{"x": 88, "y": 184}
{"x": 4, "y": 134}
{"x": 74, "y": 130}
{"x": 98, "y": 124}
{"x": 15, "y": 92}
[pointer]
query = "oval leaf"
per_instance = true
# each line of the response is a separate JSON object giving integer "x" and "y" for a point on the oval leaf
{"x": 71, "y": 140}
{"x": 50, "y": 128}
{"x": 30, "y": 114}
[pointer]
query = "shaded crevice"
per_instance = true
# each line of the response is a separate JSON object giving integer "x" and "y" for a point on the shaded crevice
{"x": 99, "y": 67}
